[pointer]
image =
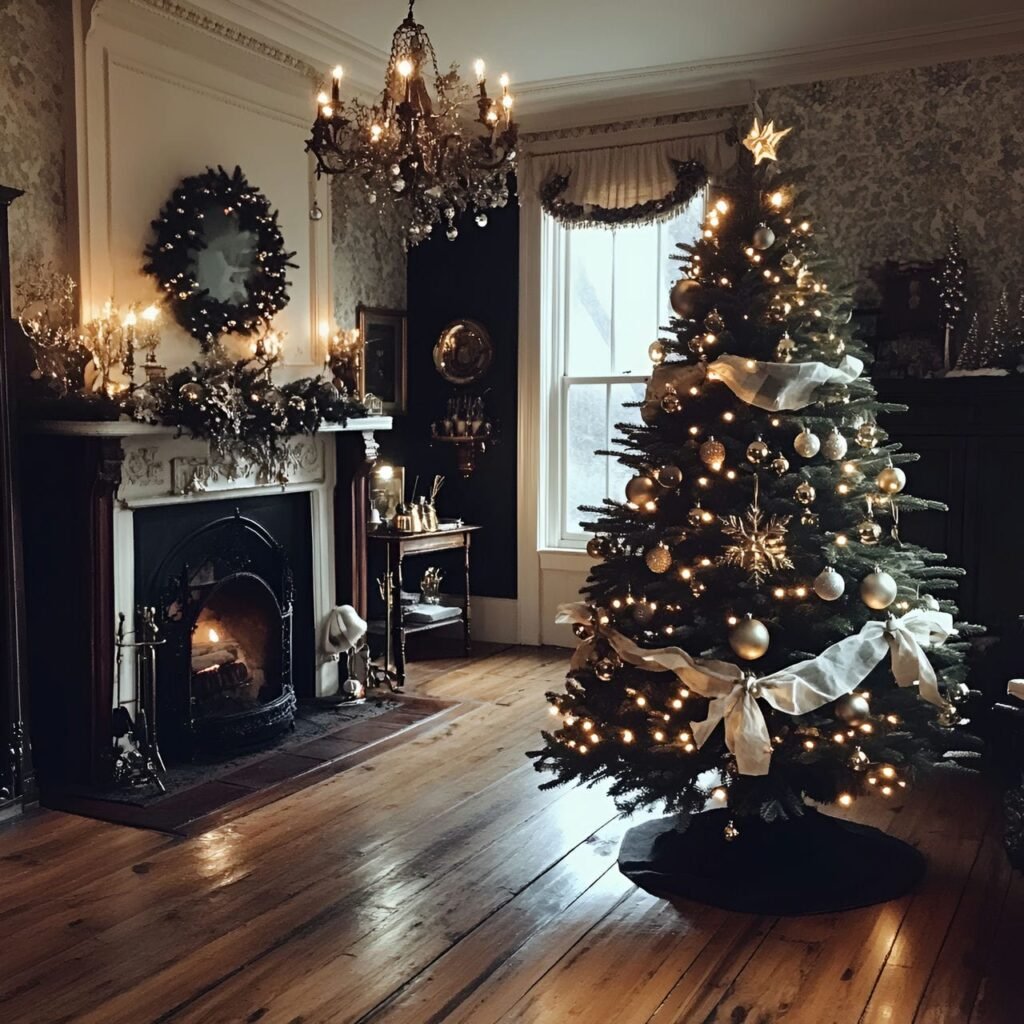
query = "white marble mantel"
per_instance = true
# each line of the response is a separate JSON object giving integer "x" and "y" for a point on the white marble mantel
{"x": 158, "y": 466}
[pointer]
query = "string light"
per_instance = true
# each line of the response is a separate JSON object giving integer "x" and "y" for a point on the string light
{"x": 845, "y": 800}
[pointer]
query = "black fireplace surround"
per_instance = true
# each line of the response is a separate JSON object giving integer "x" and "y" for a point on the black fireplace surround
{"x": 231, "y": 582}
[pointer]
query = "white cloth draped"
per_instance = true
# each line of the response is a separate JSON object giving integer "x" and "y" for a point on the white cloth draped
{"x": 796, "y": 690}
{"x": 619, "y": 170}
{"x": 771, "y": 386}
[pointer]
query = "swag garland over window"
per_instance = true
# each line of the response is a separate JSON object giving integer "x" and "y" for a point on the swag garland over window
{"x": 630, "y": 177}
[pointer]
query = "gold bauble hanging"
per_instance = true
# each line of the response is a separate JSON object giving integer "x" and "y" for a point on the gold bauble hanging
{"x": 659, "y": 558}
{"x": 784, "y": 349}
{"x": 683, "y": 297}
{"x": 749, "y": 638}
{"x": 670, "y": 475}
{"x": 712, "y": 453}
{"x": 868, "y": 531}
{"x": 597, "y": 547}
{"x": 805, "y": 493}
{"x": 671, "y": 402}
{"x": 780, "y": 464}
{"x": 641, "y": 490}
{"x": 891, "y": 480}
{"x": 656, "y": 352}
{"x": 757, "y": 451}
{"x": 867, "y": 435}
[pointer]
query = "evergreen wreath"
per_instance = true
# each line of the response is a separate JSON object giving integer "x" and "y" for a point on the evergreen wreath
{"x": 180, "y": 235}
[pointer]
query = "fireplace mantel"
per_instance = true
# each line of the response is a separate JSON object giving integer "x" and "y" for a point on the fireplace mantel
{"x": 133, "y": 429}
{"x": 84, "y": 482}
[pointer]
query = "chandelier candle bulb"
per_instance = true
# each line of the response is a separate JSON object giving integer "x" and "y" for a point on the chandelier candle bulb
{"x": 336, "y": 76}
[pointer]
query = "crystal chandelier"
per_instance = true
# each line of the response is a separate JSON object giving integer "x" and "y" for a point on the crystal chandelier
{"x": 414, "y": 149}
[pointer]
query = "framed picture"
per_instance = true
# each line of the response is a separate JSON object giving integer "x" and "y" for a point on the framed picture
{"x": 383, "y": 370}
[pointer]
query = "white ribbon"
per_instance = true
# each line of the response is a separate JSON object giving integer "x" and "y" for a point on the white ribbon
{"x": 770, "y": 386}
{"x": 796, "y": 690}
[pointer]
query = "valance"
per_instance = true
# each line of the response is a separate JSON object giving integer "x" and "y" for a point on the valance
{"x": 628, "y": 177}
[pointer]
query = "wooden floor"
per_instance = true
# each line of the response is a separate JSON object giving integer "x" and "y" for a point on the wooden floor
{"x": 436, "y": 883}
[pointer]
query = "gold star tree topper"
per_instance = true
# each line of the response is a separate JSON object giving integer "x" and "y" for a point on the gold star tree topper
{"x": 763, "y": 140}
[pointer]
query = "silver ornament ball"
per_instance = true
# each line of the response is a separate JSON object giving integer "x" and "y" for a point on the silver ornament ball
{"x": 853, "y": 709}
{"x": 829, "y": 585}
{"x": 834, "y": 447}
{"x": 878, "y": 590}
{"x": 806, "y": 444}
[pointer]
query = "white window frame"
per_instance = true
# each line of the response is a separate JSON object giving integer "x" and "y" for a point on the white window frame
{"x": 556, "y": 258}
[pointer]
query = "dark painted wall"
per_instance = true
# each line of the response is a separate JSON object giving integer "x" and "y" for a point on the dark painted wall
{"x": 475, "y": 277}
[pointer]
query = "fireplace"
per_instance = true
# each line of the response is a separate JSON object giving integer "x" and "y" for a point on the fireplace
{"x": 223, "y": 588}
{"x": 123, "y": 516}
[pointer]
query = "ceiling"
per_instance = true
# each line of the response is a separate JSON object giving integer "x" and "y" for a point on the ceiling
{"x": 556, "y": 49}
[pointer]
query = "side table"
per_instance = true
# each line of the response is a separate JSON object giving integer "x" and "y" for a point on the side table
{"x": 397, "y": 545}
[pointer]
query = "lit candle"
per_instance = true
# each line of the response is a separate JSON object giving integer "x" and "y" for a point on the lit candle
{"x": 479, "y": 67}
{"x": 336, "y": 77}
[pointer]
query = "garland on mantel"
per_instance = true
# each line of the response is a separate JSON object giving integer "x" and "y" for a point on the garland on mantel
{"x": 691, "y": 177}
{"x": 246, "y": 417}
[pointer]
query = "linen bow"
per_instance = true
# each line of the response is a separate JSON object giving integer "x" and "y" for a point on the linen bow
{"x": 796, "y": 690}
{"x": 771, "y": 386}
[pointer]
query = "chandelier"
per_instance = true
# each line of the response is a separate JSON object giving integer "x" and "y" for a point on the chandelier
{"x": 414, "y": 150}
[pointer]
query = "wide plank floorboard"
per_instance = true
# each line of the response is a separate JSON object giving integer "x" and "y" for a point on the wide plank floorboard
{"x": 436, "y": 883}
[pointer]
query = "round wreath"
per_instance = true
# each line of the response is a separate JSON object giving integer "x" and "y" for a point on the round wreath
{"x": 180, "y": 236}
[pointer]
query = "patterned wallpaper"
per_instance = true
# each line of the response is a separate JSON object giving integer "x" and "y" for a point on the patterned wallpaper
{"x": 369, "y": 261}
{"x": 35, "y": 55}
{"x": 890, "y": 157}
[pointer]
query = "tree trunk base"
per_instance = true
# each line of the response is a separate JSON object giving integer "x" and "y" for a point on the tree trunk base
{"x": 816, "y": 864}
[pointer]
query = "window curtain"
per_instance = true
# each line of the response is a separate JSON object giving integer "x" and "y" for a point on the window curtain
{"x": 628, "y": 177}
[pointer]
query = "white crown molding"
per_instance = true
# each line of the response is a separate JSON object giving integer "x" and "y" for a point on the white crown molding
{"x": 612, "y": 96}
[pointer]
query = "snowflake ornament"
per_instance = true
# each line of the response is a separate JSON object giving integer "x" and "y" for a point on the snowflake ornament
{"x": 759, "y": 544}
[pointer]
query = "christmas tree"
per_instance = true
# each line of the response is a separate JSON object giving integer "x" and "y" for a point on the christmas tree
{"x": 999, "y": 347}
{"x": 755, "y": 634}
{"x": 952, "y": 281}
{"x": 971, "y": 356}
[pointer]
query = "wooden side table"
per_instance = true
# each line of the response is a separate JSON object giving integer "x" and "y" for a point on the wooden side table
{"x": 397, "y": 546}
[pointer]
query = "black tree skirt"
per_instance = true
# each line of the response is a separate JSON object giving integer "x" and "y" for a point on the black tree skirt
{"x": 810, "y": 865}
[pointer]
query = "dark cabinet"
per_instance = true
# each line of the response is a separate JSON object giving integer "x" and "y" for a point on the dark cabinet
{"x": 16, "y": 783}
{"x": 969, "y": 433}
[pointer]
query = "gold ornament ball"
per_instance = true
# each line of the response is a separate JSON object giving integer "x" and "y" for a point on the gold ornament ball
{"x": 671, "y": 403}
{"x": 869, "y": 532}
{"x": 891, "y": 480}
{"x": 597, "y": 547}
{"x": 808, "y": 518}
{"x": 757, "y": 451}
{"x": 683, "y": 297}
{"x": 656, "y": 352}
{"x": 764, "y": 237}
{"x": 867, "y": 435}
{"x": 659, "y": 558}
{"x": 834, "y": 446}
{"x": 805, "y": 493}
{"x": 807, "y": 444}
{"x": 749, "y": 638}
{"x": 780, "y": 464}
{"x": 640, "y": 490}
{"x": 878, "y": 590}
{"x": 582, "y": 631}
{"x": 670, "y": 475}
{"x": 712, "y": 453}
{"x": 852, "y": 708}
{"x": 730, "y": 833}
{"x": 604, "y": 669}
{"x": 192, "y": 391}
{"x": 696, "y": 515}
{"x": 714, "y": 322}
{"x": 829, "y": 585}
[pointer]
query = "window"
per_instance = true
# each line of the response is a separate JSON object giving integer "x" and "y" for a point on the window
{"x": 610, "y": 296}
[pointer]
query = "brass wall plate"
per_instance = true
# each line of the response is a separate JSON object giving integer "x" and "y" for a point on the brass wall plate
{"x": 464, "y": 352}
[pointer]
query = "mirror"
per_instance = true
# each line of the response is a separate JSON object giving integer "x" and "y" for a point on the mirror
{"x": 463, "y": 353}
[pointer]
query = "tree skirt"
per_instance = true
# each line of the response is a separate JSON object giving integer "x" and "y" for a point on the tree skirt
{"x": 810, "y": 865}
